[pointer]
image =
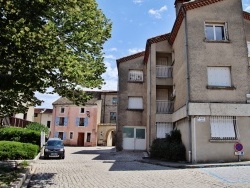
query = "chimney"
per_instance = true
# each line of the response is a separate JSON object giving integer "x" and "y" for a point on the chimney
{"x": 178, "y": 4}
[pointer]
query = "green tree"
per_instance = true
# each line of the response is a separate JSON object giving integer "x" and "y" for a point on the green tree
{"x": 49, "y": 43}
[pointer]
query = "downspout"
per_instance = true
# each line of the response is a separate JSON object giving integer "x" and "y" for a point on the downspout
{"x": 188, "y": 86}
{"x": 150, "y": 94}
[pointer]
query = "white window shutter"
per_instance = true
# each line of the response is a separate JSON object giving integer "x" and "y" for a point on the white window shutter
{"x": 135, "y": 103}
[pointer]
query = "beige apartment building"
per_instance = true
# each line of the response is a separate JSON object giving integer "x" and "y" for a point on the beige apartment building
{"x": 196, "y": 79}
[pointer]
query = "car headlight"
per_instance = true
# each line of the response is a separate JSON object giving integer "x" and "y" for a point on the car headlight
{"x": 62, "y": 149}
{"x": 46, "y": 150}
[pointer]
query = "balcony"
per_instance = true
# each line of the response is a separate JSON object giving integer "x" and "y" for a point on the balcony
{"x": 163, "y": 71}
{"x": 164, "y": 107}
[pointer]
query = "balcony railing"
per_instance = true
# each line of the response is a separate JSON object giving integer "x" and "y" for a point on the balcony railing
{"x": 163, "y": 71}
{"x": 164, "y": 107}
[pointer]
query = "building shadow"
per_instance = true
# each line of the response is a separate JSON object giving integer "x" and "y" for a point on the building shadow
{"x": 41, "y": 180}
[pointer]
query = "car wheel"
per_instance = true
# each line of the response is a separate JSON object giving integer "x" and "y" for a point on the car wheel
{"x": 62, "y": 157}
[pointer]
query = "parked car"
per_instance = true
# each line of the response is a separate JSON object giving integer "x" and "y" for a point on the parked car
{"x": 54, "y": 148}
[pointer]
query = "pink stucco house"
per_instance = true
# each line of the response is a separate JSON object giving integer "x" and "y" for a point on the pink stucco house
{"x": 75, "y": 125}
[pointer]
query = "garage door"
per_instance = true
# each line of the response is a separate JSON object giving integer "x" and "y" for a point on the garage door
{"x": 134, "y": 138}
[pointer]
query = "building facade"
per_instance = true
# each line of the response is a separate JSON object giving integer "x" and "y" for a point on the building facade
{"x": 43, "y": 116}
{"x": 195, "y": 79}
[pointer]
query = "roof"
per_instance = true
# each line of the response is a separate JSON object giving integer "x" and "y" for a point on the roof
{"x": 62, "y": 101}
{"x": 131, "y": 57}
{"x": 186, "y": 7}
{"x": 43, "y": 110}
{"x": 246, "y": 15}
{"x": 152, "y": 41}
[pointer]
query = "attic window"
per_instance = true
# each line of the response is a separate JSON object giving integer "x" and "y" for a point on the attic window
{"x": 216, "y": 31}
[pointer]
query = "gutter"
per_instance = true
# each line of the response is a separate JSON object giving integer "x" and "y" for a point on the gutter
{"x": 150, "y": 95}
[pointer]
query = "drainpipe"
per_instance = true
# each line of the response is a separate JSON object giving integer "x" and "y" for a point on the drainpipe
{"x": 150, "y": 95}
{"x": 188, "y": 87}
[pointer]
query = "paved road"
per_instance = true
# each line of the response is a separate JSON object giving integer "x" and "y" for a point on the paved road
{"x": 103, "y": 167}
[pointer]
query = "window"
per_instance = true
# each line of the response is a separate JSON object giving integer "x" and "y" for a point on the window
{"x": 62, "y": 110}
{"x": 163, "y": 128}
{"x": 112, "y": 117}
{"x": 82, "y": 110}
{"x": 135, "y": 76}
{"x": 61, "y": 121}
{"x": 71, "y": 135}
{"x": 35, "y": 114}
{"x": 216, "y": 31}
{"x": 48, "y": 124}
{"x": 223, "y": 127}
{"x": 81, "y": 122}
{"x": 88, "y": 137}
{"x": 219, "y": 76}
{"x": 135, "y": 103}
{"x": 248, "y": 48}
{"x": 114, "y": 100}
{"x": 60, "y": 135}
{"x": 128, "y": 132}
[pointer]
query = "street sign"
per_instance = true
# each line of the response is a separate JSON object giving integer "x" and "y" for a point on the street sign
{"x": 238, "y": 147}
{"x": 239, "y": 153}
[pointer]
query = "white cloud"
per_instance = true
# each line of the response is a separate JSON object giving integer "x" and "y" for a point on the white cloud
{"x": 135, "y": 50}
{"x": 157, "y": 13}
{"x": 47, "y": 98}
{"x": 112, "y": 50}
{"x": 110, "y": 77}
{"x": 247, "y": 8}
{"x": 109, "y": 57}
{"x": 137, "y": 1}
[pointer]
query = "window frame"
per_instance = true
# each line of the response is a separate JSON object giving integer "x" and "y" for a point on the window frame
{"x": 71, "y": 135}
{"x": 82, "y": 110}
{"x": 61, "y": 121}
{"x": 214, "y": 25}
{"x": 137, "y": 76}
{"x": 221, "y": 128}
{"x": 81, "y": 122}
{"x": 88, "y": 137}
{"x": 62, "y": 110}
{"x": 114, "y": 100}
{"x": 112, "y": 120}
{"x": 210, "y": 84}
{"x": 135, "y": 108}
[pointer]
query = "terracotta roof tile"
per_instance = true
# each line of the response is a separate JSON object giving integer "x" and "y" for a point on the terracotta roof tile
{"x": 246, "y": 15}
{"x": 62, "y": 100}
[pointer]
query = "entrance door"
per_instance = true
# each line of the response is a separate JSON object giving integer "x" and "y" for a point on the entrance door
{"x": 80, "y": 141}
{"x": 134, "y": 138}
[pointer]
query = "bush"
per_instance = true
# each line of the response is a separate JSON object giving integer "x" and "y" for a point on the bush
{"x": 37, "y": 127}
{"x": 10, "y": 150}
{"x": 170, "y": 148}
{"x": 20, "y": 135}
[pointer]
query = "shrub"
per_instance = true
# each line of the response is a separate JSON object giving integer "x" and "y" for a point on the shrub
{"x": 37, "y": 127}
{"x": 170, "y": 148}
{"x": 10, "y": 150}
{"x": 20, "y": 135}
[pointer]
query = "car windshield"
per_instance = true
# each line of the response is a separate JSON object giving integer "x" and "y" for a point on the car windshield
{"x": 54, "y": 143}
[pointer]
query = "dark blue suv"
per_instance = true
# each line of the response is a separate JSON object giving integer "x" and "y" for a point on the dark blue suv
{"x": 54, "y": 148}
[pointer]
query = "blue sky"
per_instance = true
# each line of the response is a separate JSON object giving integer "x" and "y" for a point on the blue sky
{"x": 134, "y": 21}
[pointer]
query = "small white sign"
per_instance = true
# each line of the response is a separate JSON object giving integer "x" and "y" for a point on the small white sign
{"x": 201, "y": 119}
{"x": 239, "y": 153}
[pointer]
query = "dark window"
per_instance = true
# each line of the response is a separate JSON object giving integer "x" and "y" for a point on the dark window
{"x": 112, "y": 117}
{"x": 61, "y": 121}
{"x": 60, "y": 135}
{"x": 114, "y": 100}
{"x": 88, "y": 137}
{"x": 35, "y": 114}
{"x": 48, "y": 124}
{"x": 81, "y": 122}
{"x": 71, "y": 135}
{"x": 62, "y": 110}
{"x": 82, "y": 110}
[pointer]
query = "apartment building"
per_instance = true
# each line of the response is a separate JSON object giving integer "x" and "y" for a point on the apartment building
{"x": 195, "y": 79}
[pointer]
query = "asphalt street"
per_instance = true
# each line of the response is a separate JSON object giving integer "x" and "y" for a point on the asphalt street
{"x": 102, "y": 167}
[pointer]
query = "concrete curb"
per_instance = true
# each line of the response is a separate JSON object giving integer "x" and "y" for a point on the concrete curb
{"x": 185, "y": 166}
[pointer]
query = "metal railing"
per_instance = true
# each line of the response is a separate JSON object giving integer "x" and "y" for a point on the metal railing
{"x": 163, "y": 71}
{"x": 164, "y": 107}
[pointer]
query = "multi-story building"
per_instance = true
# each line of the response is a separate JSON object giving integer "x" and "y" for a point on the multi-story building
{"x": 90, "y": 124}
{"x": 196, "y": 79}
{"x": 43, "y": 116}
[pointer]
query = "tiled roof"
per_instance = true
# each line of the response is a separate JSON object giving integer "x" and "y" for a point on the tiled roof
{"x": 152, "y": 41}
{"x": 246, "y": 15}
{"x": 62, "y": 100}
{"x": 187, "y": 7}
{"x": 131, "y": 57}
{"x": 43, "y": 110}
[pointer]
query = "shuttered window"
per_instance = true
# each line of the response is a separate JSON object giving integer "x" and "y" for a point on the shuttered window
{"x": 163, "y": 128}
{"x": 135, "y": 76}
{"x": 219, "y": 76}
{"x": 223, "y": 127}
{"x": 135, "y": 103}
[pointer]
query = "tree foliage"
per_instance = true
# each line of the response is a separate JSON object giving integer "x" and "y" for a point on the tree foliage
{"x": 49, "y": 43}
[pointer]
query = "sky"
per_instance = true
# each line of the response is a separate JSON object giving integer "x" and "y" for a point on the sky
{"x": 133, "y": 22}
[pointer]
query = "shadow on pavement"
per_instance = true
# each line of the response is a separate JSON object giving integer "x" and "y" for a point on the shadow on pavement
{"x": 41, "y": 180}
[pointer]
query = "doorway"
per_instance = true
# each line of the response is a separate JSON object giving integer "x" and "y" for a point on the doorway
{"x": 80, "y": 141}
{"x": 134, "y": 138}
